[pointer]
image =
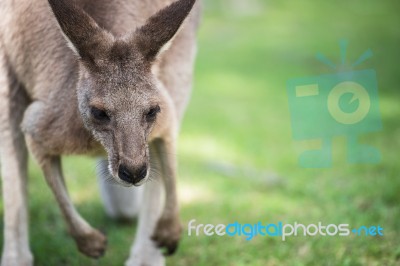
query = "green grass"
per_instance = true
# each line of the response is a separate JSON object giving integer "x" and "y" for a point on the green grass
{"x": 238, "y": 161}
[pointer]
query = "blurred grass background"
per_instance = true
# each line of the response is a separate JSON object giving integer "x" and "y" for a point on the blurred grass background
{"x": 238, "y": 161}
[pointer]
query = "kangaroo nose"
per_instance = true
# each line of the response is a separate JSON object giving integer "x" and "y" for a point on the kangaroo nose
{"x": 132, "y": 177}
{"x": 142, "y": 172}
{"x": 125, "y": 174}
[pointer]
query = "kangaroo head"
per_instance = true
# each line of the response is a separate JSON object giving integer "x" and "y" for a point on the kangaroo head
{"x": 120, "y": 100}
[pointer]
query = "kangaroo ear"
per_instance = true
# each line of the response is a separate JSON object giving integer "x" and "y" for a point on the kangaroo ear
{"x": 159, "y": 29}
{"x": 85, "y": 37}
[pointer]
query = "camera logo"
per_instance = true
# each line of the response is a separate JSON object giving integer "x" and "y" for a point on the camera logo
{"x": 344, "y": 103}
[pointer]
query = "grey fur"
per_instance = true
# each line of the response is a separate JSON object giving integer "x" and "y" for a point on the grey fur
{"x": 116, "y": 65}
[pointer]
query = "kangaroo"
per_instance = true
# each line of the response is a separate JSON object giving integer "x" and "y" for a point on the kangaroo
{"x": 101, "y": 78}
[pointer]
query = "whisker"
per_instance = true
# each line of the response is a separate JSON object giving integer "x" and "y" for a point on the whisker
{"x": 103, "y": 172}
{"x": 152, "y": 179}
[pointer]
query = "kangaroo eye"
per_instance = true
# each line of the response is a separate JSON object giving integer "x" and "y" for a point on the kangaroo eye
{"x": 99, "y": 115}
{"x": 152, "y": 113}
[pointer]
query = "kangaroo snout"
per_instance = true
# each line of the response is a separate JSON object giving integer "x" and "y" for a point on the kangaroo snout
{"x": 132, "y": 175}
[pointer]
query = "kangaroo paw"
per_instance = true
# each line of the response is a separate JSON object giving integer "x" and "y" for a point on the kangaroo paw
{"x": 92, "y": 244}
{"x": 167, "y": 234}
